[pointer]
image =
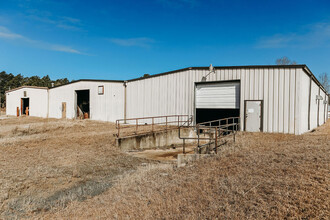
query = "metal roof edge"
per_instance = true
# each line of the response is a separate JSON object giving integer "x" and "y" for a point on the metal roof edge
{"x": 162, "y": 74}
{"x": 89, "y": 80}
{"x": 26, "y": 87}
{"x": 219, "y": 67}
{"x": 309, "y": 72}
{"x": 303, "y": 66}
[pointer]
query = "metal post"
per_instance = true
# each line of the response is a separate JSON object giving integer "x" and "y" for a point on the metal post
{"x": 233, "y": 126}
{"x": 239, "y": 123}
{"x": 198, "y": 139}
{"x": 184, "y": 146}
{"x": 233, "y": 129}
{"x": 118, "y": 129}
{"x": 216, "y": 141}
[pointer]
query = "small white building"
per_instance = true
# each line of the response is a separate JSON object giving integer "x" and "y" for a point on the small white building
{"x": 273, "y": 98}
{"x": 35, "y": 98}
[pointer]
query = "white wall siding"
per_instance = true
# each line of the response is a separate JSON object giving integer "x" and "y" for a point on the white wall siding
{"x": 304, "y": 94}
{"x": 106, "y": 107}
{"x": 322, "y": 108}
{"x": 275, "y": 117}
{"x": 317, "y": 107}
{"x": 163, "y": 95}
{"x": 298, "y": 74}
{"x": 174, "y": 94}
{"x": 292, "y": 101}
{"x": 314, "y": 106}
{"x": 288, "y": 106}
{"x": 38, "y": 99}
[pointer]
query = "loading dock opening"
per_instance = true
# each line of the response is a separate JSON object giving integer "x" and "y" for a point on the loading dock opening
{"x": 204, "y": 115}
{"x": 25, "y": 106}
{"x": 83, "y": 104}
{"x": 217, "y": 100}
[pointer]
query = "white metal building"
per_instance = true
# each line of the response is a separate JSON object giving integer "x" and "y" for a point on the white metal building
{"x": 35, "y": 98}
{"x": 281, "y": 99}
{"x": 104, "y": 98}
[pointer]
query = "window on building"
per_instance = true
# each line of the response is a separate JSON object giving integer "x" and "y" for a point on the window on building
{"x": 101, "y": 90}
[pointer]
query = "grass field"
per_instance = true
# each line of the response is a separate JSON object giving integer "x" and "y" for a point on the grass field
{"x": 45, "y": 163}
{"x": 52, "y": 169}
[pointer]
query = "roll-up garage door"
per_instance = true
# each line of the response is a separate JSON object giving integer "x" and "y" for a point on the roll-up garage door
{"x": 222, "y": 95}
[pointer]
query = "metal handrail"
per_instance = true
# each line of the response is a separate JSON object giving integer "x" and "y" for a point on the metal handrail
{"x": 169, "y": 121}
{"x": 214, "y": 132}
{"x": 209, "y": 123}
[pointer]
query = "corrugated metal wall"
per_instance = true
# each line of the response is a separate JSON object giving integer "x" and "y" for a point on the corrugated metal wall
{"x": 281, "y": 89}
{"x": 288, "y": 106}
{"x": 106, "y": 107}
{"x": 38, "y": 101}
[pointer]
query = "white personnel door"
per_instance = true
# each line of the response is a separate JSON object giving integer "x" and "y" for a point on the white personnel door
{"x": 253, "y": 116}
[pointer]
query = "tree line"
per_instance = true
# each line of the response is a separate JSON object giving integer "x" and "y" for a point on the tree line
{"x": 10, "y": 81}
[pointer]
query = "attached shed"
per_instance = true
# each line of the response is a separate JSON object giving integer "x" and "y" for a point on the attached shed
{"x": 101, "y": 99}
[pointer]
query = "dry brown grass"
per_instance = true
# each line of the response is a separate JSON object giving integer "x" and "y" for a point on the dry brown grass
{"x": 262, "y": 176}
{"x": 2, "y": 111}
{"x": 70, "y": 169}
{"x": 46, "y": 163}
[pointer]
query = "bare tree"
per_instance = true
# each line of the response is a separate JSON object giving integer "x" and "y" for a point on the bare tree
{"x": 285, "y": 61}
{"x": 324, "y": 80}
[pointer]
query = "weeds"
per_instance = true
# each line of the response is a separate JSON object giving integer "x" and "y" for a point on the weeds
{"x": 262, "y": 176}
{"x": 67, "y": 169}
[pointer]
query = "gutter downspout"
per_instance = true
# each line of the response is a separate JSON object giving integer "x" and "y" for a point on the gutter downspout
{"x": 125, "y": 100}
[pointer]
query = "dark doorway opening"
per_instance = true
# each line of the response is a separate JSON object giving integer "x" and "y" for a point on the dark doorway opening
{"x": 83, "y": 110}
{"x": 25, "y": 106}
{"x": 205, "y": 115}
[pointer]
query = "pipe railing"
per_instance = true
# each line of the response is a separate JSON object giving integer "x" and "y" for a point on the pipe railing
{"x": 212, "y": 131}
{"x": 133, "y": 126}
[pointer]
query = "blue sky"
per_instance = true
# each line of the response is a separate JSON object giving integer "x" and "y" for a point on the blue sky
{"x": 118, "y": 39}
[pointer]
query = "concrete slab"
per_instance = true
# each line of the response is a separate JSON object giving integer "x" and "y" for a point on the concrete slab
{"x": 154, "y": 140}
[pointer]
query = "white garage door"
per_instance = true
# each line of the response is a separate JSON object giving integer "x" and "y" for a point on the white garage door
{"x": 221, "y": 95}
